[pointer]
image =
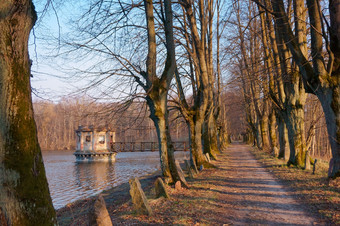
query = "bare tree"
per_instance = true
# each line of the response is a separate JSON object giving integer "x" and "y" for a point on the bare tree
{"x": 24, "y": 193}
{"x": 157, "y": 89}
{"x": 117, "y": 35}
{"x": 196, "y": 38}
{"x": 321, "y": 75}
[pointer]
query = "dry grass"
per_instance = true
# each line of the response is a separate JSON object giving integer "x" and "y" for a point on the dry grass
{"x": 210, "y": 201}
{"x": 317, "y": 191}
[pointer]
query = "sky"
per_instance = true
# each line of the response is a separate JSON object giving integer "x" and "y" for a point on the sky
{"x": 48, "y": 82}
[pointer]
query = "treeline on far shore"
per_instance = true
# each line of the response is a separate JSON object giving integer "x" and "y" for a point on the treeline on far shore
{"x": 57, "y": 122}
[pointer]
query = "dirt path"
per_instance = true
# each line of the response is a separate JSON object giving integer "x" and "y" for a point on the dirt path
{"x": 251, "y": 195}
{"x": 240, "y": 191}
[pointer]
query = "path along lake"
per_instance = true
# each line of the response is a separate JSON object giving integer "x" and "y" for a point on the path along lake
{"x": 70, "y": 181}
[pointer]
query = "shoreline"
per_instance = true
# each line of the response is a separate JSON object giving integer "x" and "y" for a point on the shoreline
{"x": 229, "y": 193}
{"x": 76, "y": 213}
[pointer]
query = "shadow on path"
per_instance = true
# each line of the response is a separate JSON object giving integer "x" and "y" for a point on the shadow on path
{"x": 249, "y": 194}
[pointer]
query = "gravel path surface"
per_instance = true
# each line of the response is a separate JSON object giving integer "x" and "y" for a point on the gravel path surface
{"x": 253, "y": 196}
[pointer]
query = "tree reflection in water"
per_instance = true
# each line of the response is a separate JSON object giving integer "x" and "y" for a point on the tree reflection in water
{"x": 94, "y": 176}
{"x": 70, "y": 181}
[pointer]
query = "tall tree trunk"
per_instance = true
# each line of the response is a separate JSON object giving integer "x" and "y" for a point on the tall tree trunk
{"x": 24, "y": 193}
{"x": 196, "y": 142}
{"x": 159, "y": 115}
{"x": 194, "y": 121}
{"x": 294, "y": 117}
{"x": 272, "y": 130}
{"x": 296, "y": 134}
{"x": 283, "y": 139}
{"x": 295, "y": 99}
{"x": 157, "y": 89}
{"x": 210, "y": 135}
{"x": 264, "y": 131}
{"x": 210, "y": 127}
{"x": 204, "y": 95}
{"x": 258, "y": 136}
{"x": 319, "y": 78}
{"x": 330, "y": 102}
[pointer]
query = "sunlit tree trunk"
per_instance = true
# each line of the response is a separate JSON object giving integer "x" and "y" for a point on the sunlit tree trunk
{"x": 159, "y": 115}
{"x": 210, "y": 126}
{"x": 203, "y": 85}
{"x": 210, "y": 135}
{"x": 157, "y": 89}
{"x": 265, "y": 130}
{"x": 283, "y": 139}
{"x": 272, "y": 130}
{"x": 296, "y": 133}
{"x": 196, "y": 139}
{"x": 24, "y": 193}
{"x": 292, "y": 97}
{"x": 319, "y": 78}
{"x": 194, "y": 123}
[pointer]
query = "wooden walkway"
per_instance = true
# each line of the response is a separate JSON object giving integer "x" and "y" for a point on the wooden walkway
{"x": 146, "y": 146}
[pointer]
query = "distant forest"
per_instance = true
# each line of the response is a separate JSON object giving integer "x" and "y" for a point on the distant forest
{"x": 57, "y": 122}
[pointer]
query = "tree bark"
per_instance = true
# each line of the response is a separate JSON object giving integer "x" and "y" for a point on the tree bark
{"x": 204, "y": 82}
{"x": 196, "y": 142}
{"x": 272, "y": 130}
{"x": 157, "y": 89}
{"x": 296, "y": 134}
{"x": 283, "y": 139}
{"x": 159, "y": 115}
{"x": 319, "y": 78}
{"x": 24, "y": 193}
{"x": 194, "y": 123}
{"x": 264, "y": 131}
{"x": 210, "y": 135}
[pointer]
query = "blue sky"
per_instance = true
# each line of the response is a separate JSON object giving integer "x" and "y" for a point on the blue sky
{"x": 47, "y": 80}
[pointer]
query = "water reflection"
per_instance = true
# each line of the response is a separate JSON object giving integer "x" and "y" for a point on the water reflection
{"x": 70, "y": 181}
{"x": 93, "y": 175}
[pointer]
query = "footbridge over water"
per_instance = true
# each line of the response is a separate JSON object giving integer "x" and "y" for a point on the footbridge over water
{"x": 146, "y": 146}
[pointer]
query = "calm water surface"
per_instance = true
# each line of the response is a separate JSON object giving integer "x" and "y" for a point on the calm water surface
{"x": 70, "y": 181}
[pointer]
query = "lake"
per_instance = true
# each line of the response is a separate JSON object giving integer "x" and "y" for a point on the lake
{"x": 70, "y": 181}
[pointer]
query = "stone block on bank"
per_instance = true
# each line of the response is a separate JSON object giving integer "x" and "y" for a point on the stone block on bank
{"x": 190, "y": 171}
{"x": 207, "y": 156}
{"x": 178, "y": 185}
{"x": 201, "y": 167}
{"x": 194, "y": 167}
{"x": 99, "y": 216}
{"x": 138, "y": 197}
{"x": 181, "y": 174}
{"x": 160, "y": 189}
{"x": 307, "y": 160}
{"x": 314, "y": 166}
{"x": 330, "y": 168}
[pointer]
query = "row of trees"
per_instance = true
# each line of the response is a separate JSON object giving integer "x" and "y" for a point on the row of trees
{"x": 177, "y": 72}
{"x": 132, "y": 45}
{"x": 283, "y": 54}
{"x": 167, "y": 54}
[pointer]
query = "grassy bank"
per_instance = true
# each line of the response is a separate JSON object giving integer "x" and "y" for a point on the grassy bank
{"x": 218, "y": 196}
